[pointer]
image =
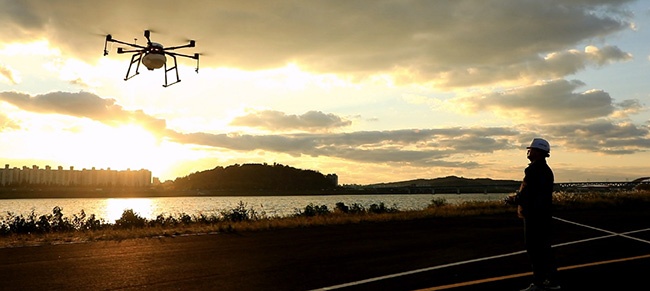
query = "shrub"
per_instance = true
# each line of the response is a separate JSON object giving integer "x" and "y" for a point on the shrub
{"x": 130, "y": 219}
{"x": 341, "y": 207}
{"x": 239, "y": 213}
{"x": 381, "y": 208}
{"x": 437, "y": 202}
{"x": 312, "y": 210}
{"x": 83, "y": 222}
{"x": 357, "y": 208}
{"x": 205, "y": 219}
{"x": 161, "y": 220}
{"x": 58, "y": 222}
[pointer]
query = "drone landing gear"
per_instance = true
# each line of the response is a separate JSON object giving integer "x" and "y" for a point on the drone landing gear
{"x": 137, "y": 67}
{"x": 175, "y": 67}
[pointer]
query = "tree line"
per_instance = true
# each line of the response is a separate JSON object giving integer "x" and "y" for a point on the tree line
{"x": 254, "y": 177}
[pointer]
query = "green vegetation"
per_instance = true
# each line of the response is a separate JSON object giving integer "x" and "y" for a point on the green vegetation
{"x": 33, "y": 229}
{"x": 256, "y": 177}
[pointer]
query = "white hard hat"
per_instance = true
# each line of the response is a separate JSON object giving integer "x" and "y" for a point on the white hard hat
{"x": 540, "y": 144}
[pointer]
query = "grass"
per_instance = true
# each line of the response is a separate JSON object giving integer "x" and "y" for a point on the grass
{"x": 55, "y": 228}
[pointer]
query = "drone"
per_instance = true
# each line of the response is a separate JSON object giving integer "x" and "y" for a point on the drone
{"x": 152, "y": 56}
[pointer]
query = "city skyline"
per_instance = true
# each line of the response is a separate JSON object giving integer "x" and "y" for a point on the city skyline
{"x": 34, "y": 175}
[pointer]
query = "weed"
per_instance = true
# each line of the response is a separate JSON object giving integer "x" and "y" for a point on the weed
{"x": 312, "y": 210}
{"x": 438, "y": 202}
{"x": 55, "y": 227}
{"x": 130, "y": 219}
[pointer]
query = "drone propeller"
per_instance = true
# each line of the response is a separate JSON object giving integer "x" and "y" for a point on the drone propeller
{"x": 96, "y": 32}
{"x": 184, "y": 39}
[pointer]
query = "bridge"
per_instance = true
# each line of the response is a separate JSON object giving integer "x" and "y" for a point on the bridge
{"x": 602, "y": 186}
{"x": 511, "y": 187}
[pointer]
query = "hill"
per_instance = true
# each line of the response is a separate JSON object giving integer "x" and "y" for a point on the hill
{"x": 449, "y": 184}
{"x": 449, "y": 181}
{"x": 257, "y": 177}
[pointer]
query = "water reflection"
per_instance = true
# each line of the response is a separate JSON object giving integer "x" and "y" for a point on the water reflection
{"x": 114, "y": 207}
{"x": 111, "y": 209}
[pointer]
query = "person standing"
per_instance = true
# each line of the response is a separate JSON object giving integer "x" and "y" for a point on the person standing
{"x": 534, "y": 202}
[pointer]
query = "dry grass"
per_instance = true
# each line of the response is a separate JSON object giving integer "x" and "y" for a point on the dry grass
{"x": 438, "y": 209}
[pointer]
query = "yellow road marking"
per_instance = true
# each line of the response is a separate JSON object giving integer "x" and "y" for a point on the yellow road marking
{"x": 493, "y": 279}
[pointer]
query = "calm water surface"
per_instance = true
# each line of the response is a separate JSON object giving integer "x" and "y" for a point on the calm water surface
{"x": 111, "y": 209}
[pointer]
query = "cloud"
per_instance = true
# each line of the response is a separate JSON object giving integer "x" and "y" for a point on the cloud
{"x": 276, "y": 120}
{"x": 433, "y": 147}
{"x": 536, "y": 67}
{"x": 628, "y": 107}
{"x": 543, "y": 103}
{"x": 7, "y": 123}
{"x": 425, "y": 147}
{"x": 601, "y": 136}
{"x": 84, "y": 105}
{"x": 9, "y": 74}
{"x": 417, "y": 39}
{"x": 606, "y": 55}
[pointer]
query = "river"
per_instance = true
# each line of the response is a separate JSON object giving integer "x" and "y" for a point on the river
{"x": 111, "y": 209}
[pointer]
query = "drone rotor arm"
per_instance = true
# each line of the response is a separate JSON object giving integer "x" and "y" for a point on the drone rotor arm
{"x": 123, "y": 51}
{"x": 177, "y": 47}
{"x": 195, "y": 56}
{"x": 125, "y": 43}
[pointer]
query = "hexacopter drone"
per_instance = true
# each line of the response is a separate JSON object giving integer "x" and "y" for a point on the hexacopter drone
{"x": 152, "y": 56}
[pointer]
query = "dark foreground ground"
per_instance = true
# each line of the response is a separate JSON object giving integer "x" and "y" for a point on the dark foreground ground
{"x": 407, "y": 255}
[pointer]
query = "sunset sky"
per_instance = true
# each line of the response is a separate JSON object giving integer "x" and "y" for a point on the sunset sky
{"x": 374, "y": 91}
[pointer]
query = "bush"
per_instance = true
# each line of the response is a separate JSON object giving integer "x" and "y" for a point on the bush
{"x": 312, "y": 210}
{"x": 239, "y": 213}
{"x": 357, "y": 208}
{"x": 437, "y": 202}
{"x": 55, "y": 222}
{"x": 341, "y": 207}
{"x": 381, "y": 208}
{"x": 205, "y": 219}
{"x": 130, "y": 219}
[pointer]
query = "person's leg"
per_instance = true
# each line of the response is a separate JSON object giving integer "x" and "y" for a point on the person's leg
{"x": 542, "y": 259}
{"x": 539, "y": 251}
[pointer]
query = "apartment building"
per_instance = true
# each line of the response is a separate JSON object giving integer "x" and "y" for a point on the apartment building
{"x": 71, "y": 177}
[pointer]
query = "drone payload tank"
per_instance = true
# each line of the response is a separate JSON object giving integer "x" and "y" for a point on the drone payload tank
{"x": 154, "y": 61}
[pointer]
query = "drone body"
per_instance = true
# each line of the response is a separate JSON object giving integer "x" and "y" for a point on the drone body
{"x": 154, "y": 59}
{"x": 152, "y": 56}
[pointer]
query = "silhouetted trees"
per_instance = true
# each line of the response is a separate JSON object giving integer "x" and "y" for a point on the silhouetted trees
{"x": 255, "y": 177}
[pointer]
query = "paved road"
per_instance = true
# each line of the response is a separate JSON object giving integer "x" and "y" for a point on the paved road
{"x": 312, "y": 258}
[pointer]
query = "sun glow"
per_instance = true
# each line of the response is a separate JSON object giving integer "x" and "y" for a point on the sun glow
{"x": 39, "y": 47}
{"x": 129, "y": 147}
{"x": 92, "y": 144}
{"x": 121, "y": 147}
{"x": 114, "y": 208}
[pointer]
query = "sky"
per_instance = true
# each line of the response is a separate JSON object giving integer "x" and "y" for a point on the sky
{"x": 373, "y": 91}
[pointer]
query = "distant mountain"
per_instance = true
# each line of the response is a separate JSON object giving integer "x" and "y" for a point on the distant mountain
{"x": 449, "y": 181}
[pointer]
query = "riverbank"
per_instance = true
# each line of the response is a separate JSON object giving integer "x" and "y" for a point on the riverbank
{"x": 52, "y": 228}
